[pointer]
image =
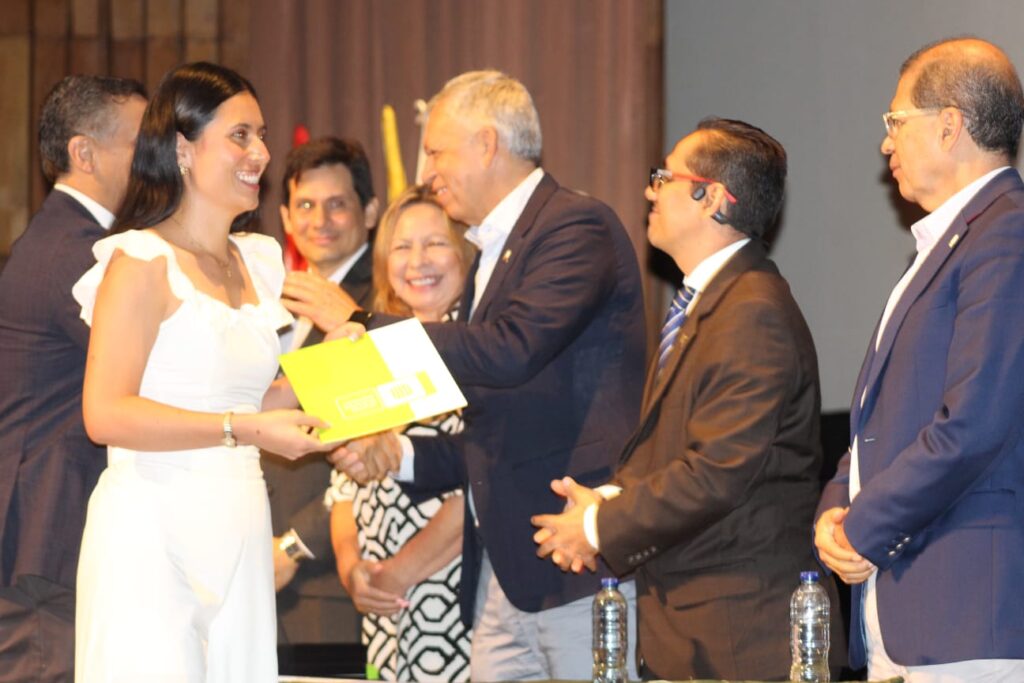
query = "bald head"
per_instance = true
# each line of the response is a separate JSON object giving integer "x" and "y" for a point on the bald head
{"x": 977, "y": 78}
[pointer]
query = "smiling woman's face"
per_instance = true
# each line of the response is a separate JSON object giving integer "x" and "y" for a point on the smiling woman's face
{"x": 226, "y": 161}
{"x": 424, "y": 265}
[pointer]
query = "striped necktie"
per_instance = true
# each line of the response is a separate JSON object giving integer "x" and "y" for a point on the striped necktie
{"x": 673, "y": 321}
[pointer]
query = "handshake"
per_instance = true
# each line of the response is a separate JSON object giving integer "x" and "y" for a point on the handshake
{"x": 369, "y": 458}
{"x": 560, "y": 537}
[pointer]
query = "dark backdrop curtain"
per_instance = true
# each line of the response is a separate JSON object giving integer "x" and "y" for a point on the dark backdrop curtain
{"x": 594, "y": 68}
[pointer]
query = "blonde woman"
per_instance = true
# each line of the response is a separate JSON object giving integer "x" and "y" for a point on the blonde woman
{"x": 400, "y": 560}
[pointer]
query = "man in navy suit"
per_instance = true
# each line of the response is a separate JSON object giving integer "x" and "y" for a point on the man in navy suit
{"x": 925, "y": 517}
{"x": 48, "y": 467}
{"x": 549, "y": 351}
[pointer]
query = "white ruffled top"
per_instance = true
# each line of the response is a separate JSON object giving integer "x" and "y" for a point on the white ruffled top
{"x": 208, "y": 356}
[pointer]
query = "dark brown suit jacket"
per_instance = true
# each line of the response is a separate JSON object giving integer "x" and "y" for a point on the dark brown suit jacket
{"x": 720, "y": 483}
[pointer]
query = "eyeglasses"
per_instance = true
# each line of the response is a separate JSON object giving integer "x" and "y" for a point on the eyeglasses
{"x": 660, "y": 176}
{"x": 894, "y": 119}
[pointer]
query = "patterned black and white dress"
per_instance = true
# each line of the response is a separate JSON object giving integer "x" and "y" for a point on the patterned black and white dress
{"x": 427, "y": 640}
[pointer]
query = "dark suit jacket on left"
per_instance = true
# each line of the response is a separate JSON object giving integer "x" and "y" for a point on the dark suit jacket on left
{"x": 48, "y": 466}
{"x": 296, "y": 490}
{"x": 720, "y": 482}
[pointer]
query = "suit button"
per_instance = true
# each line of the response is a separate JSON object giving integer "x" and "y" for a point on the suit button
{"x": 892, "y": 553}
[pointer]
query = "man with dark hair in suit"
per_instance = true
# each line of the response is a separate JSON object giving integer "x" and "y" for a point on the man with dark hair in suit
{"x": 48, "y": 467}
{"x": 925, "y": 516}
{"x": 716, "y": 488}
{"x": 548, "y": 349}
{"x": 328, "y": 208}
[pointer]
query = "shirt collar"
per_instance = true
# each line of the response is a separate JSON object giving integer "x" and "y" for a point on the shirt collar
{"x": 929, "y": 229}
{"x": 341, "y": 271}
{"x": 98, "y": 211}
{"x": 497, "y": 225}
{"x": 706, "y": 270}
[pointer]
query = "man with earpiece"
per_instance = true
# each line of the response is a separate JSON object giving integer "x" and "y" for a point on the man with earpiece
{"x": 713, "y": 496}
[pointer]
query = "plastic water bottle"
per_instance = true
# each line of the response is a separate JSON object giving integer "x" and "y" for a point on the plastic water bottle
{"x": 809, "y": 634}
{"x": 610, "y": 634}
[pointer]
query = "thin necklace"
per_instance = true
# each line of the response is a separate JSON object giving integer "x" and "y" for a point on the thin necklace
{"x": 225, "y": 265}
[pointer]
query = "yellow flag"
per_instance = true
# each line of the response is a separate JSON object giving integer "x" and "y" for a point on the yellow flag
{"x": 392, "y": 153}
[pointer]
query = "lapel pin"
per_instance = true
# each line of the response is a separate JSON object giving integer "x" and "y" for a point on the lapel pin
{"x": 953, "y": 240}
{"x": 506, "y": 256}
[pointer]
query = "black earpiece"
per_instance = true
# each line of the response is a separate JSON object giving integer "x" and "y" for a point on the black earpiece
{"x": 698, "y": 194}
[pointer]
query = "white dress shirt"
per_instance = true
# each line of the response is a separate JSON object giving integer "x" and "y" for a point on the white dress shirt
{"x": 295, "y": 336}
{"x": 492, "y": 233}
{"x": 98, "y": 211}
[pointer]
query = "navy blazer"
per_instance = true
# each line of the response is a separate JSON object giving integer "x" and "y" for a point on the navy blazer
{"x": 552, "y": 364}
{"x": 940, "y": 447}
{"x": 48, "y": 466}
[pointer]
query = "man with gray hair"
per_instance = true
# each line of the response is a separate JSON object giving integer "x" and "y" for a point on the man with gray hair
{"x": 925, "y": 517}
{"x": 549, "y": 350}
{"x": 48, "y": 466}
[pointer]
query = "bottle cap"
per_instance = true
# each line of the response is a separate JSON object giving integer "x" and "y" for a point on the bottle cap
{"x": 808, "y": 577}
{"x": 609, "y": 582}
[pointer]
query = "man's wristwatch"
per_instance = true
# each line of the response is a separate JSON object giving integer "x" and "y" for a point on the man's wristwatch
{"x": 361, "y": 316}
{"x": 290, "y": 546}
{"x": 229, "y": 435}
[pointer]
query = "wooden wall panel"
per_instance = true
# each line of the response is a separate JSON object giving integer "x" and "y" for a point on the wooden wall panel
{"x": 235, "y": 35}
{"x": 88, "y": 55}
{"x": 15, "y": 108}
{"x": 85, "y": 18}
{"x": 51, "y": 18}
{"x": 128, "y": 59}
{"x": 15, "y": 18}
{"x": 41, "y": 41}
{"x": 163, "y": 39}
{"x": 127, "y": 19}
{"x": 201, "y": 18}
{"x": 163, "y": 18}
{"x": 49, "y": 64}
{"x": 201, "y": 49}
{"x": 163, "y": 53}
{"x": 128, "y": 39}
{"x": 15, "y": 153}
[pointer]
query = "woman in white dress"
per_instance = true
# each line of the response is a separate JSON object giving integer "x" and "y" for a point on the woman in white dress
{"x": 175, "y": 581}
{"x": 400, "y": 560}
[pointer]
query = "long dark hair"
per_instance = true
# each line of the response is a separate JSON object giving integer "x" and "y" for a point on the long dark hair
{"x": 185, "y": 102}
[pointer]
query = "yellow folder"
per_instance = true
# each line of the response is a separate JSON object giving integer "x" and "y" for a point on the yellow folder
{"x": 389, "y": 377}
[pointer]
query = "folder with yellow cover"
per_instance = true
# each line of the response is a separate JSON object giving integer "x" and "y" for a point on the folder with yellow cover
{"x": 389, "y": 377}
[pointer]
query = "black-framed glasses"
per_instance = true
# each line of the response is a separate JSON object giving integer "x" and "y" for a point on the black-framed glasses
{"x": 660, "y": 176}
